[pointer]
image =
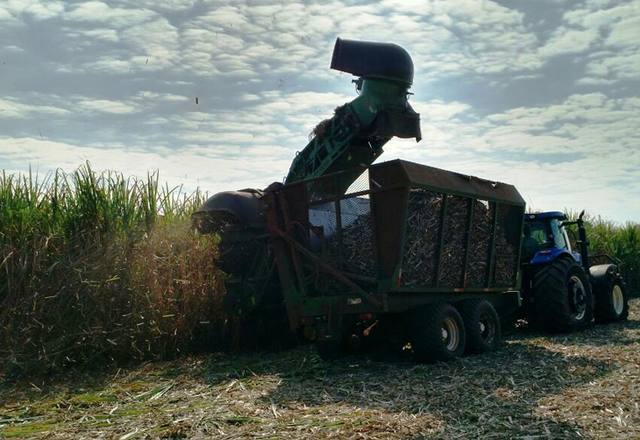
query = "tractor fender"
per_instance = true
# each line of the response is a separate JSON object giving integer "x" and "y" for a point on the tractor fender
{"x": 609, "y": 293}
{"x": 603, "y": 274}
{"x": 547, "y": 256}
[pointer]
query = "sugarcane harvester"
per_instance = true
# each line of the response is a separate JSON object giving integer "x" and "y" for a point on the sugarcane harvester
{"x": 348, "y": 252}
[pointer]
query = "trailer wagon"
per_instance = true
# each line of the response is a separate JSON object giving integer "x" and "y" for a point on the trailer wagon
{"x": 408, "y": 254}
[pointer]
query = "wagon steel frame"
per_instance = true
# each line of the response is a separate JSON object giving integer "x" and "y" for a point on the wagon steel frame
{"x": 389, "y": 186}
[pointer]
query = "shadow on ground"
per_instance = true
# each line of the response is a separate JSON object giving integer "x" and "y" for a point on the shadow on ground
{"x": 492, "y": 395}
{"x": 537, "y": 386}
{"x": 618, "y": 333}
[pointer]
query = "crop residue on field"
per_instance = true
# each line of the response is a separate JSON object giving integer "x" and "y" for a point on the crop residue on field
{"x": 573, "y": 386}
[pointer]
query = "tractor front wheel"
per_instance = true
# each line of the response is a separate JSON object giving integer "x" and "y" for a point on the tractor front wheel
{"x": 611, "y": 302}
{"x": 563, "y": 300}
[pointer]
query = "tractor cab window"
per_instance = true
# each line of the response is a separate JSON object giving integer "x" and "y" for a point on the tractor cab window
{"x": 558, "y": 235}
{"x": 536, "y": 237}
{"x": 538, "y": 231}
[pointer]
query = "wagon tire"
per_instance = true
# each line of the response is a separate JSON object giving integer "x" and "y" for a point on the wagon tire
{"x": 482, "y": 325}
{"x": 436, "y": 333}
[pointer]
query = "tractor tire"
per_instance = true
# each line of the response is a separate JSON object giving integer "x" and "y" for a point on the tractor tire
{"x": 563, "y": 301}
{"x": 437, "y": 333}
{"x": 612, "y": 303}
{"x": 482, "y": 326}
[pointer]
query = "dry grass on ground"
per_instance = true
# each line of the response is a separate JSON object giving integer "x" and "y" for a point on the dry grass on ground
{"x": 578, "y": 386}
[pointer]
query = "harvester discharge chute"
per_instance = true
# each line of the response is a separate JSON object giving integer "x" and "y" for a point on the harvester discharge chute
{"x": 353, "y": 138}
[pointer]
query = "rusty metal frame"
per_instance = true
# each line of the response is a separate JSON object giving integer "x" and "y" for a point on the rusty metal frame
{"x": 441, "y": 233}
{"x": 296, "y": 257}
{"x": 470, "y": 214}
{"x": 492, "y": 247}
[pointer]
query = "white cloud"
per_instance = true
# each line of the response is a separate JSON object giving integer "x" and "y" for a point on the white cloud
{"x": 99, "y": 12}
{"x": 13, "y": 109}
{"x": 225, "y": 16}
{"x": 615, "y": 66}
{"x": 13, "y": 48}
{"x": 439, "y": 110}
{"x": 106, "y": 106}
{"x": 626, "y": 32}
{"x": 6, "y": 16}
{"x": 593, "y": 15}
{"x": 483, "y": 37}
{"x": 104, "y": 34}
{"x": 106, "y": 64}
{"x": 566, "y": 41}
{"x": 560, "y": 155}
{"x": 147, "y": 95}
{"x": 138, "y": 39}
{"x": 34, "y": 9}
{"x": 162, "y": 6}
{"x": 155, "y": 44}
{"x": 617, "y": 57}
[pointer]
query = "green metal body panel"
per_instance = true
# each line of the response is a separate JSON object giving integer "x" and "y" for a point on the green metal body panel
{"x": 342, "y": 148}
{"x": 349, "y": 140}
{"x": 389, "y": 185}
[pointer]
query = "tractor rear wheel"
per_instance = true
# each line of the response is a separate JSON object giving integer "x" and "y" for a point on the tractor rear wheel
{"x": 437, "y": 333}
{"x": 563, "y": 300}
{"x": 482, "y": 325}
{"x": 611, "y": 302}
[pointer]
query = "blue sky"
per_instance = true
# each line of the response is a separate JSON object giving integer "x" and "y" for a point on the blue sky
{"x": 544, "y": 94}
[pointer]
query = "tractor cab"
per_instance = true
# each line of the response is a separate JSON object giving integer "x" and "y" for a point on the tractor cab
{"x": 545, "y": 238}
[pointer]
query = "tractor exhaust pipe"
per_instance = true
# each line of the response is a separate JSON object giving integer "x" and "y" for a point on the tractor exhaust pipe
{"x": 583, "y": 242}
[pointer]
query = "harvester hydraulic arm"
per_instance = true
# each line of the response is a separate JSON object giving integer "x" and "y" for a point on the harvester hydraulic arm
{"x": 353, "y": 138}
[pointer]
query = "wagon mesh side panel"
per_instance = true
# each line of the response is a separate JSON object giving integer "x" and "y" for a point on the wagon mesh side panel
{"x": 454, "y": 240}
{"x": 342, "y": 229}
{"x": 360, "y": 184}
{"x": 507, "y": 242}
{"x": 479, "y": 244}
{"x": 423, "y": 224}
{"x": 321, "y": 188}
{"x": 333, "y": 186}
{"x": 323, "y": 234}
{"x": 357, "y": 230}
{"x": 358, "y": 237}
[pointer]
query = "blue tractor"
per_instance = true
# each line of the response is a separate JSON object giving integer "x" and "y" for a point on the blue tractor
{"x": 561, "y": 290}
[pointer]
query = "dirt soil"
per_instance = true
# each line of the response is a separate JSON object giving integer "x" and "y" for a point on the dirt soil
{"x": 584, "y": 385}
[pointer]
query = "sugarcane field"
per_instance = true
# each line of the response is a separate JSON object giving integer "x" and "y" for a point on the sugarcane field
{"x": 319, "y": 220}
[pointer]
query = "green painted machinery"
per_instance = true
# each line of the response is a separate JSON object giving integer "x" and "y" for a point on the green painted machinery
{"x": 348, "y": 142}
{"x": 344, "y": 250}
{"x": 353, "y": 138}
